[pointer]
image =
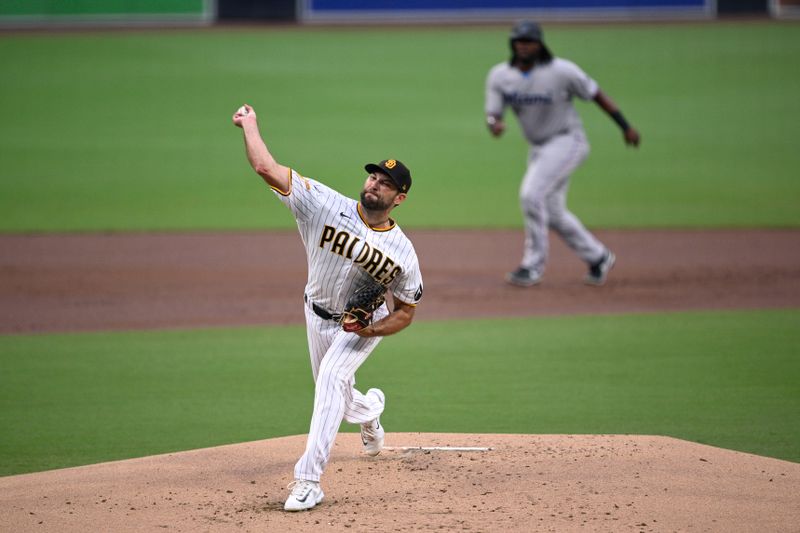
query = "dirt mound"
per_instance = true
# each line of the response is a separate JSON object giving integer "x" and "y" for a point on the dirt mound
{"x": 522, "y": 483}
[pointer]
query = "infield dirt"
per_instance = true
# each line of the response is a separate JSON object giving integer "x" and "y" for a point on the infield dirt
{"x": 88, "y": 282}
{"x": 53, "y": 283}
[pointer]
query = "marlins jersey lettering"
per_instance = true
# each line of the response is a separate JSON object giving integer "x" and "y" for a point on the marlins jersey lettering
{"x": 541, "y": 98}
{"x": 341, "y": 247}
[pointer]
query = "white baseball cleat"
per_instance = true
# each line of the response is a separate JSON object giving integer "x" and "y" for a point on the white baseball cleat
{"x": 599, "y": 271}
{"x": 305, "y": 495}
{"x": 372, "y": 432}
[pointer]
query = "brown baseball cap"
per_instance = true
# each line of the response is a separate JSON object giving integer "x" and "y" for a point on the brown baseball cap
{"x": 395, "y": 169}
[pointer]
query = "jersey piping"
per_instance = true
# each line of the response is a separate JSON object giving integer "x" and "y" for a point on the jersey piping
{"x": 364, "y": 220}
{"x": 286, "y": 193}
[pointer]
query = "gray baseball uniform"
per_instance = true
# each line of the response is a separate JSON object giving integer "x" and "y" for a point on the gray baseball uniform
{"x": 542, "y": 100}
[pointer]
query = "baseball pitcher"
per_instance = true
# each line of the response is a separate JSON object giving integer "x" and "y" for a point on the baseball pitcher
{"x": 540, "y": 88}
{"x": 356, "y": 255}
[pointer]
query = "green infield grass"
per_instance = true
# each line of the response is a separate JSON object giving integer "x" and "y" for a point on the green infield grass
{"x": 131, "y": 130}
{"x": 728, "y": 379}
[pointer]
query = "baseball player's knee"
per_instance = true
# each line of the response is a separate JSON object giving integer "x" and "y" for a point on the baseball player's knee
{"x": 532, "y": 203}
{"x": 533, "y": 208}
{"x": 532, "y": 196}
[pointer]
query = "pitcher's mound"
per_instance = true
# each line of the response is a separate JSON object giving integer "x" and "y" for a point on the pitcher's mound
{"x": 520, "y": 483}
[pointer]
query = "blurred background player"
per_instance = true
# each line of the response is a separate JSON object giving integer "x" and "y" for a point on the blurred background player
{"x": 539, "y": 88}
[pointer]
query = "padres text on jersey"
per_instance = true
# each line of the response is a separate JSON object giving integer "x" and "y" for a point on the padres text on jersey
{"x": 341, "y": 246}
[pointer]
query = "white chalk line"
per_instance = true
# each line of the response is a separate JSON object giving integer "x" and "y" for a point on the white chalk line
{"x": 439, "y": 448}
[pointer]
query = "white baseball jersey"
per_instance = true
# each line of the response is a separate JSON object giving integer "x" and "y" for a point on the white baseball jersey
{"x": 541, "y": 98}
{"x": 341, "y": 246}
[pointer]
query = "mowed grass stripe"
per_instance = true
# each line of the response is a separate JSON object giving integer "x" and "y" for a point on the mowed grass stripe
{"x": 131, "y": 130}
{"x": 724, "y": 378}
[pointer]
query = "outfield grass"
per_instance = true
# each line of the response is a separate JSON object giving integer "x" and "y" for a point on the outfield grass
{"x": 726, "y": 378}
{"x": 131, "y": 130}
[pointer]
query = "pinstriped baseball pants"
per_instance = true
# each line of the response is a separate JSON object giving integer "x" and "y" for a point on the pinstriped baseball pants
{"x": 543, "y": 198}
{"x": 335, "y": 357}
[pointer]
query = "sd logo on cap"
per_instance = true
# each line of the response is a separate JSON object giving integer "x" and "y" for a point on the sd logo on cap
{"x": 395, "y": 169}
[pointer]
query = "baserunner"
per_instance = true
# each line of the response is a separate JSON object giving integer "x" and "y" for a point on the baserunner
{"x": 540, "y": 88}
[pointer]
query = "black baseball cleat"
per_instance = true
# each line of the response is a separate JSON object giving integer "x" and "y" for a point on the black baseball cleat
{"x": 598, "y": 272}
{"x": 523, "y": 277}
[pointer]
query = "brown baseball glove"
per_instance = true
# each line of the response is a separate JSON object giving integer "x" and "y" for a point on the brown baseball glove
{"x": 361, "y": 305}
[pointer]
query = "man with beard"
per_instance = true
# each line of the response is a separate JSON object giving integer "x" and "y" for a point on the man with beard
{"x": 540, "y": 88}
{"x": 345, "y": 240}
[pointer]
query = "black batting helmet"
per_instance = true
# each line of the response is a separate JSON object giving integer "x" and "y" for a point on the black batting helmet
{"x": 528, "y": 30}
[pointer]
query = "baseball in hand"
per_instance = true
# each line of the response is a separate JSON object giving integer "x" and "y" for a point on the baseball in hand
{"x": 242, "y": 111}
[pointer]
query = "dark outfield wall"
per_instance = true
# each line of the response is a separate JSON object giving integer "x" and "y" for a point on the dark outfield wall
{"x": 486, "y": 10}
{"x": 47, "y": 12}
{"x": 257, "y": 10}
